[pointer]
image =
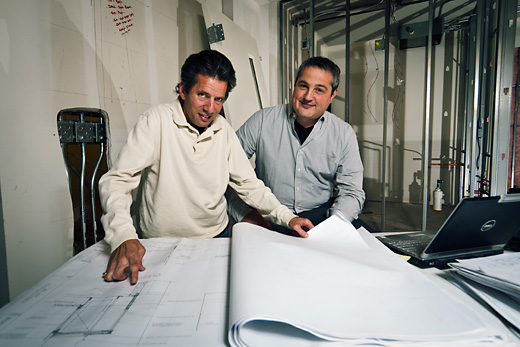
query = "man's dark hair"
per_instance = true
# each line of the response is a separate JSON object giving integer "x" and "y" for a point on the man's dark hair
{"x": 207, "y": 63}
{"x": 324, "y": 64}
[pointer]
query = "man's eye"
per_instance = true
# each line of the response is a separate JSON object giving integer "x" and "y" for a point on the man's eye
{"x": 202, "y": 95}
{"x": 219, "y": 99}
{"x": 320, "y": 91}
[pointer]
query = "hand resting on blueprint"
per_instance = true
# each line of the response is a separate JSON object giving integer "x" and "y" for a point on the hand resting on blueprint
{"x": 299, "y": 225}
{"x": 126, "y": 260}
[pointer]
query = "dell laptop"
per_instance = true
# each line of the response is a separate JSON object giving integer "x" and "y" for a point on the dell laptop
{"x": 476, "y": 227}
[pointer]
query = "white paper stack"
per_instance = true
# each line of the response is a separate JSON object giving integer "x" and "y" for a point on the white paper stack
{"x": 340, "y": 287}
{"x": 495, "y": 280}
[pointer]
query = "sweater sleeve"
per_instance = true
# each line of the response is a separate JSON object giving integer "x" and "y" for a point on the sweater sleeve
{"x": 116, "y": 186}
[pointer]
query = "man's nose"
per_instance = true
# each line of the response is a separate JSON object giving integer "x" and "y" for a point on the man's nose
{"x": 308, "y": 95}
{"x": 210, "y": 106}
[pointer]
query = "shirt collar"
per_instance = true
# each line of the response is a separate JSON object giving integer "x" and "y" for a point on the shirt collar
{"x": 292, "y": 115}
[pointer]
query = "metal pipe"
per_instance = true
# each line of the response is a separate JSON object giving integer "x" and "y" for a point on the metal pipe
{"x": 459, "y": 56}
{"x": 93, "y": 190}
{"x": 486, "y": 113}
{"x": 504, "y": 53}
{"x": 311, "y": 22}
{"x": 82, "y": 189}
{"x": 347, "y": 61}
{"x": 385, "y": 114}
{"x": 426, "y": 143}
{"x": 515, "y": 122}
{"x": 280, "y": 53}
{"x": 476, "y": 97}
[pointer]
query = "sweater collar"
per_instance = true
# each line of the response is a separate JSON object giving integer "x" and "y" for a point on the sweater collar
{"x": 179, "y": 118}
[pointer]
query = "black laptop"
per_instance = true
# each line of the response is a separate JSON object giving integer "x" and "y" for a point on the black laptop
{"x": 476, "y": 227}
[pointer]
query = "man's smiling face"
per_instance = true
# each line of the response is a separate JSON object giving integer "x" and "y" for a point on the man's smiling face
{"x": 203, "y": 102}
{"x": 312, "y": 95}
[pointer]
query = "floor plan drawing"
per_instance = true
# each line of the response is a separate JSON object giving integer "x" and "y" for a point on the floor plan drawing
{"x": 182, "y": 296}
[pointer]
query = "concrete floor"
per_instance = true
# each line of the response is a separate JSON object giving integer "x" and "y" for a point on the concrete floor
{"x": 401, "y": 216}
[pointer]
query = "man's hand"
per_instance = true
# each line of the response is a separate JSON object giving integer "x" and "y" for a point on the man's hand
{"x": 126, "y": 260}
{"x": 301, "y": 226}
{"x": 256, "y": 218}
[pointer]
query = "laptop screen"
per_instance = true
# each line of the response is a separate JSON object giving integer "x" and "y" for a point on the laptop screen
{"x": 479, "y": 223}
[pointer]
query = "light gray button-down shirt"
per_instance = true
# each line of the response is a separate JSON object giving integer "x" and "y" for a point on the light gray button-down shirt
{"x": 304, "y": 176}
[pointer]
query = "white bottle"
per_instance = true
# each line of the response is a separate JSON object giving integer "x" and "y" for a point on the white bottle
{"x": 437, "y": 197}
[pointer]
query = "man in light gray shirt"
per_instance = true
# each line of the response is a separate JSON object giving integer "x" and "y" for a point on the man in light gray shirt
{"x": 307, "y": 156}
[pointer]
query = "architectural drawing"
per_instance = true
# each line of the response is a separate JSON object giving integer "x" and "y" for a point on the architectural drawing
{"x": 182, "y": 296}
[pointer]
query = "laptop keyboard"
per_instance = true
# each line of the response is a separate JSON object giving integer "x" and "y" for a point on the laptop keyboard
{"x": 410, "y": 246}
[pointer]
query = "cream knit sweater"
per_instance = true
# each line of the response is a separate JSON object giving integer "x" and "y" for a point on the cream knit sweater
{"x": 185, "y": 175}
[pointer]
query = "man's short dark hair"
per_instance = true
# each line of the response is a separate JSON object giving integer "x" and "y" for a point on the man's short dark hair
{"x": 207, "y": 63}
{"x": 324, "y": 64}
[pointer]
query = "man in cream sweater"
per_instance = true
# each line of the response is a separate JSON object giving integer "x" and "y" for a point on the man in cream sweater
{"x": 186, "y": 154}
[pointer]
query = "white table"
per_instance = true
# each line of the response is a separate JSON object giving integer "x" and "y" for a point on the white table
{"x": 74, "y": 306}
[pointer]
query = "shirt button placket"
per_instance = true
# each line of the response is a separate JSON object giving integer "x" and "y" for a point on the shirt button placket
{"x": 297, "y": 179}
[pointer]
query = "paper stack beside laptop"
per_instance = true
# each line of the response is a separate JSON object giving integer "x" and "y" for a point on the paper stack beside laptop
{"x": 494, "y": 280}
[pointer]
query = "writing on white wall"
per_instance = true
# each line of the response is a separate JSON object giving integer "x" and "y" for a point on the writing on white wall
{"x": 122, "y": 15}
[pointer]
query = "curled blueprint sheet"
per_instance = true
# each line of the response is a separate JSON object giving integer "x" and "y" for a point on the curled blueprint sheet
{"x": 180, "y": 300}
{"x": 339, "y": 288}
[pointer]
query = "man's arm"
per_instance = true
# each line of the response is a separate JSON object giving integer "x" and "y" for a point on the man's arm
{"x": 115, "y": 190}
{"x": 350, "y": 195}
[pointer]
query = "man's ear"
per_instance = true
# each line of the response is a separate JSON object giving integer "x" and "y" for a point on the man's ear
{"x": 182, "y": 92}
{"x": 334, "y": 95}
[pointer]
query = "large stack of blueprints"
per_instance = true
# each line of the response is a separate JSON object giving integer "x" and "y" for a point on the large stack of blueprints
{"x": 496, "y": 281}
{"x": 338, "y": 287}
{"x": 341, "y": 286}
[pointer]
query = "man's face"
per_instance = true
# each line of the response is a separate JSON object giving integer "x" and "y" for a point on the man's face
{"x": 312, "y": 95}
{"x": 204, "y": 101}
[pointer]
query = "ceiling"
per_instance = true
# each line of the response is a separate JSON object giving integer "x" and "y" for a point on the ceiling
{"x": 410, "y": 9}
{"x": 367, "y": 17}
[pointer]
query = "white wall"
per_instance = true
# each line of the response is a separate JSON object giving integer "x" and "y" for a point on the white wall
{"x": 57, "y": 54}
{"x": 258, "y": 18}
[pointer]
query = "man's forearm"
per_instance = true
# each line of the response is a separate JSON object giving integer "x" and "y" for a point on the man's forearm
{"x": 349, "y": 206}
